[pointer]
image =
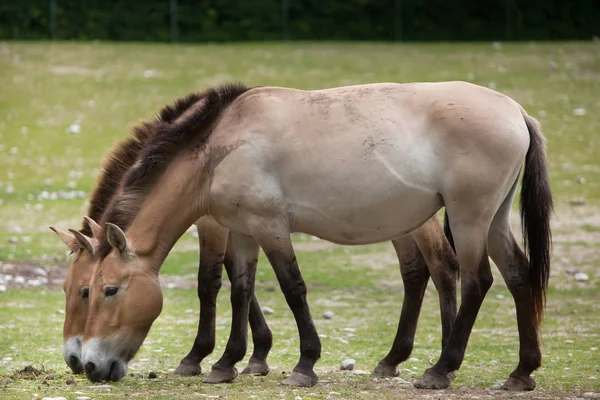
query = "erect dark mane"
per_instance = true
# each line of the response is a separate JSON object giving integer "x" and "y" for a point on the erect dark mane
{"x": 121, "y": 158}
{"x": 169, "y": 139}
{"x": 124, "y": 155}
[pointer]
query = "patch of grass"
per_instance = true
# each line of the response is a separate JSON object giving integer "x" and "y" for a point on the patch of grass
{"x": 108, "y": 87}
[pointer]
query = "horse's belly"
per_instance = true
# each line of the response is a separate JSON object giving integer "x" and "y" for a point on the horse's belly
{"x": 365, "y": 221}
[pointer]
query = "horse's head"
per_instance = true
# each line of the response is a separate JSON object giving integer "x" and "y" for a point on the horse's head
{"x": 76, "y": 288}
{"x": 125, "y": 299}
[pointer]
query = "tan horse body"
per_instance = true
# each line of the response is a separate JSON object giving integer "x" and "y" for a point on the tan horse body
{"x": 441, "y": 265}
{"x": 352, "y": 165}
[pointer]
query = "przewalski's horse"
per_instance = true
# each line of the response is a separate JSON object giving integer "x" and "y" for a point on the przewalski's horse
{"x": 83, "y": 243}
{"x": 213, "y": 244}
{"x": 352, "y": 165}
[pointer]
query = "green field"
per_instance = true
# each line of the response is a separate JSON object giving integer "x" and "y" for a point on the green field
{"x": 105, "y": 89}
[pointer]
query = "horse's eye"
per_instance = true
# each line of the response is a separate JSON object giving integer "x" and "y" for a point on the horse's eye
{"x": 85, "y": 292}
{"x": 110, "y": 291}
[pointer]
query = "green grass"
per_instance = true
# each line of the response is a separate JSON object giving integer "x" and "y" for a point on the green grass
{"x": 46, "y": 87}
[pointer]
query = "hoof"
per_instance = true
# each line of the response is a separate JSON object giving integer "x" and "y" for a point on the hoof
{"x": 385, "y": 370}
{"x": 432, "y": 380}
{"x": 221, "y": 375}
{"x": 519, "y": 383}
{"x": 301, "y": 380}
{"x": 256, "y": 368}
{"x": 188, "y": 369}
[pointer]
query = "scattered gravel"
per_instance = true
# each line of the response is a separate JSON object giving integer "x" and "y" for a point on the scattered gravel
{"x": 581, "y": 277}
{"x": 328, "y": 315}
{"x": 348, "y": 365}
{"x": 267, "y": 311}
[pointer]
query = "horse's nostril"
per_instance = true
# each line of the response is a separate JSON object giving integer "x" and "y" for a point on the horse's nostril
{"x": 73, "y": 360}
{"x": 90, "y": 367}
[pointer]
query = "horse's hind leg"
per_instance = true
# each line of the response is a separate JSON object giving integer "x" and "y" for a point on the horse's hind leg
{"x": 423, "y": 253}
{"x": 415, "y": 276}
{"x": 513, "y": 265}
{"x": 213, "y": 241}
{"x": 443, "y": 268}
{"x": 240, "y": 262}
{"x": 470, "y": 236}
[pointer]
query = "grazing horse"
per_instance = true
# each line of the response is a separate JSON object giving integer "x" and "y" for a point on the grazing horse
{"x": 441, "y": 265}
{"x": 83, "y": 243}
{"x": 352, "y": 165}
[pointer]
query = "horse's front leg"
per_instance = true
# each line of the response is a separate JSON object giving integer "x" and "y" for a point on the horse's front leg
{"x": 240, "y": 262}
{"x": 213, "y": 242}
{"x": 277, "y": 245}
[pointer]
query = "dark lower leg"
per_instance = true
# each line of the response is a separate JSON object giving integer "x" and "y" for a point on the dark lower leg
{"x": 294, "y": 289}
{"x": 530, "y": 356}
{"x": 209, "y": 283}
{"x": 240, "y": 264}
{"x": 415, "y": 277}
{"x": 261, "y": 338}
{"x": 474, "y": 289}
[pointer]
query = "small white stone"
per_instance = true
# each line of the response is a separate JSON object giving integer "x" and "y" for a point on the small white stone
{"x": 413, "y": 359}
{"x": 149, "y": 73}
{"x": 349, "y": 330}
{"x": 14, "y": 150}
{"x": 591, "y": 395}
{"x": 581, "y": 180}
{"x": 61, "y": 312}
{"x": 9, "y": 189}
{"x": 593, "y": 348}
{"x": 40, "y": 271}
{"x": 74, "y": 128}
{"x": 552, "y": 65}
{"x": 328, "y": 315}
{"x": 54, "y": 398}
{"x": 569, "y": 354}
{"x": 19, "y": 280}
{"x": 579, "y": 111}
{"x": 492, "y": 85}
{"x": 569, "y": 341}
{"x": 497, "y": 45}
{"x": 297, "y": 398}
{"x": 2, "y": 288}
{"x": 83, "y": 398}
{"x": 577, "y": 201}
{"x": 581, "y": 277}
{"x": 189, "y": 311}
{"x": 348, "y": 365}
{"x": 542, "y": 113}
{"x": 13, "y": 240}
{"x": 499, "y": 296}
{"x": 7, "y": 359}
{"x": 267, "y": 311}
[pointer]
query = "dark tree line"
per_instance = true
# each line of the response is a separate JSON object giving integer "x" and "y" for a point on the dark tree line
{"x": 238, "y": 20}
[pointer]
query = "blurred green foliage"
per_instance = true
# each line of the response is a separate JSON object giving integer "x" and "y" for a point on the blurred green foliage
{"x": 231, "y": 20}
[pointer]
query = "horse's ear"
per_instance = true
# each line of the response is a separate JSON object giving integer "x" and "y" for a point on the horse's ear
{"x": 94, "y": 227}
{"x": 117, "y": 238}
{"x": 83, "y": 241}
{"x": 67, "y": 238}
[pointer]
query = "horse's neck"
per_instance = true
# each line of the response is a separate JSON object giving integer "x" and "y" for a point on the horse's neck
{"x": 170, "y": 208}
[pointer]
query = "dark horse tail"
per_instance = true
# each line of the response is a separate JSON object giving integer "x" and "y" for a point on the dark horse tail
{"x": 536, "y": 209}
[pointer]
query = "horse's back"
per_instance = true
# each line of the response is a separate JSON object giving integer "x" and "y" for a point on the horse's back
{"x": 375, "y": 159}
